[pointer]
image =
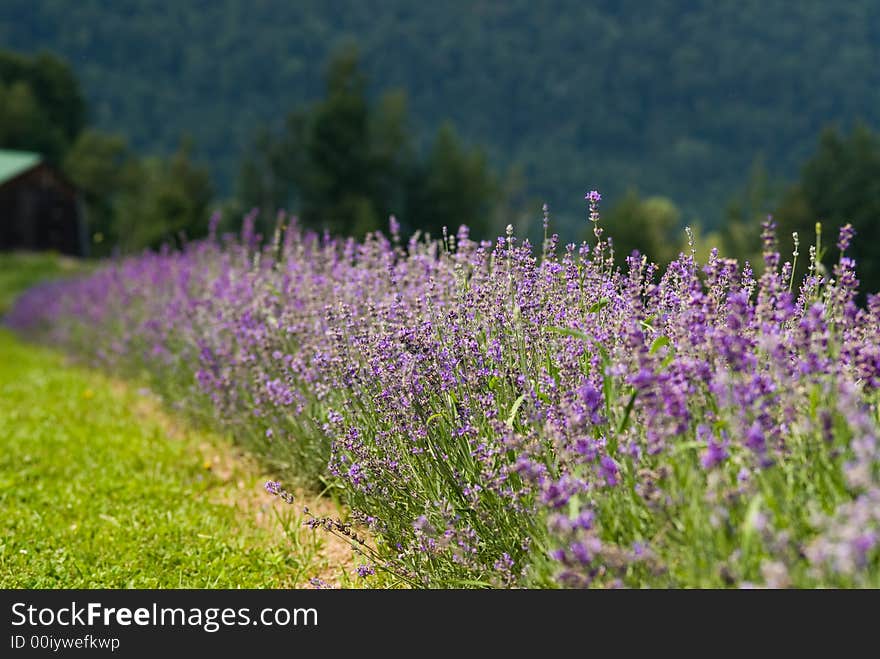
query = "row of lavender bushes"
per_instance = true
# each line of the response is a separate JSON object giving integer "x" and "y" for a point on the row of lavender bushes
{"x": 498, "y": 414}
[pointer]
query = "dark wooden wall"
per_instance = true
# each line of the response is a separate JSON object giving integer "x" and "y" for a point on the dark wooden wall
{"x": 40, "y": 211}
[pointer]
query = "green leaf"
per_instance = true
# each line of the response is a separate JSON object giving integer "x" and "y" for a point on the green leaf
{"x": 598, "y": 306}
{"x": 629, "y": 406}
{"x": 658, "y": 343}
{"x": 552, "y": 369}
{"x": 749, "y": 525}
{"x": 514, "y": 409}
{"x": 567, "y": 331}
{"x": 687, "y": 446}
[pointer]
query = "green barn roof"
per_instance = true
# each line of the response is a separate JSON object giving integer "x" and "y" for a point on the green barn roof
{"x": 13, "y": 163}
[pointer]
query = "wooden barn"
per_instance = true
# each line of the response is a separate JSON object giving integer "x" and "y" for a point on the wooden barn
{"x": 39, "y": 208}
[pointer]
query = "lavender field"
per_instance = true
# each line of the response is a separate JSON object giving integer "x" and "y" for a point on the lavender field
{"x": 500, "y": 414}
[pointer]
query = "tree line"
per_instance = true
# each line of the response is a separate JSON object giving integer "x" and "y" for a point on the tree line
{"x": 345, "y": 162}
{"x": 675, "y": 97}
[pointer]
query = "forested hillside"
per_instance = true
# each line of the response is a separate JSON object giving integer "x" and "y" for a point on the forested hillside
{"x": 677, "y": 101}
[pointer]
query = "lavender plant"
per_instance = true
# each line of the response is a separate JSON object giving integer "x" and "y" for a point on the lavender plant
{"x": 500, "y": 416}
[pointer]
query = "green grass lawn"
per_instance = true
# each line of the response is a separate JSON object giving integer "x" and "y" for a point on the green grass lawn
{"x": 20, "y": 270}
{"x": 98, "y": 489}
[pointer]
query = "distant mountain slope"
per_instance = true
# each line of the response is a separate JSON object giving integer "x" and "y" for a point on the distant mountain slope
{"x": 676, "y": 96}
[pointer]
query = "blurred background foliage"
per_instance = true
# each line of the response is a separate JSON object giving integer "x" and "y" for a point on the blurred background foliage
{"x": 347, "y": 163}
{"x": 694, "y": 113}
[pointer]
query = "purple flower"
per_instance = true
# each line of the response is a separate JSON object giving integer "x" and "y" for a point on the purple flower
{"x": 591, "y": 396}
{"x": 587, "y": 447}
{"x": 584, "y": 520}
{"x": 581, "y": 553}
{"x": 863, "y": 544}
{"x": 847, "y": 232}
{"x": 275, "y": 488}
{"x": 755, "y": 439}
{"x": 504, "y": 564}
{"x": 768, "y": 234}
{"x": 479, "y": 388}
{"x": 594, "y": 198}
{"x": 714, "y": 455}
{"x": 365, "y": 570}
{"x": 609, "y": 470}
{"x": 356, "y": 474}
{"x": 715, "y": 452}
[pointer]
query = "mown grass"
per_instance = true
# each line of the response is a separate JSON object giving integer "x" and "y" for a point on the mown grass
{"x": 98, "y": 491}
{"x": 21, "y": 270}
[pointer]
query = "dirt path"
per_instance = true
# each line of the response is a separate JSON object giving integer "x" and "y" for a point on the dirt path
{"x": 238, "y": 482}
